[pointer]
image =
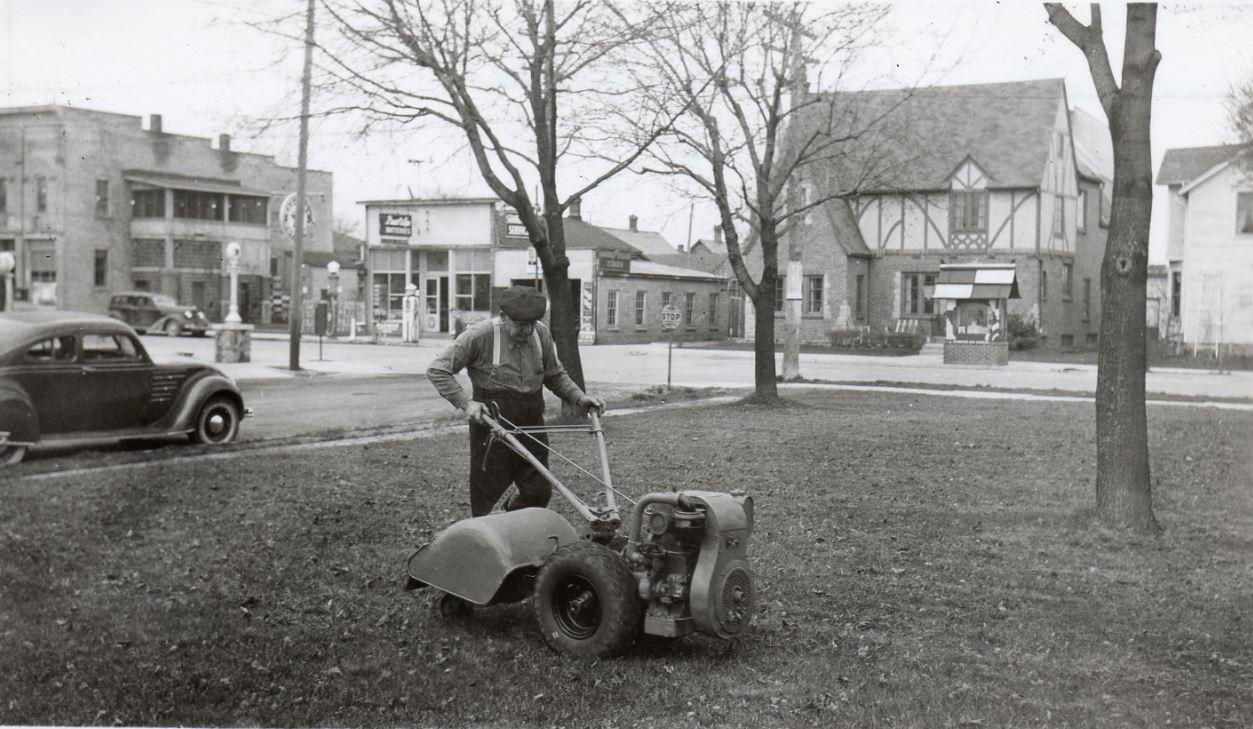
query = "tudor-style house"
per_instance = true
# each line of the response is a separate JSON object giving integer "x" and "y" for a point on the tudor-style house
{"x": 1209, "y": 250}
{"x": 1004, "y": 173}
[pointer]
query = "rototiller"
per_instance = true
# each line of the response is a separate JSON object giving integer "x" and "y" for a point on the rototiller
{"x": 682, "y": 567}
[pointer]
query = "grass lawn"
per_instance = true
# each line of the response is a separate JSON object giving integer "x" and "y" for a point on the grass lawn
{"x": 921, "y": 562}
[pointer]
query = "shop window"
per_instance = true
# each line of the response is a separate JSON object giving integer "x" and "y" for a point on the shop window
{"x": 101, "y": 277}
{"x": 611, "y": 309}
{"x": 148, "y": 203}
{"x": 640, "y": 301}
{"x": 474, "y": 291}
{"x": 437, "y": 260}
{"x": 914, "y": 301}
{"x": 247, "y": 209}
{"x": 1244, "y": 212}
{"x": 689, "y": 303}
{"x": 813, "y": 295}
{"x": 102, "y": 198}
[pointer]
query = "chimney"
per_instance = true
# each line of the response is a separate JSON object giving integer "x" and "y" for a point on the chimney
{"x": 224, "y": 142}
{"x": 574, "y": 209}
{"x": 634, "y": 223}
{"x": 154, "y": 123}
{"x": 717, "y": 234}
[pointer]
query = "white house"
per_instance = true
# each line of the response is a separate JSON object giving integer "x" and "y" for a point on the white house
{"x": 1210, "y": 247}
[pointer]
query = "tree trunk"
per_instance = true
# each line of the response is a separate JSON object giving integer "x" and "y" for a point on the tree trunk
{"x": 562, "y": 321}
{"x": 1123, "y": 489}
{"x": 765, "y": 377}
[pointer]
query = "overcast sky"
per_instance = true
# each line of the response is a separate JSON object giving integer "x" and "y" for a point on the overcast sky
{"x": 197, "y": 64}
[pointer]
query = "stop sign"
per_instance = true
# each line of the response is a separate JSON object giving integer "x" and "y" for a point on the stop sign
{"x": 669, "y": 318}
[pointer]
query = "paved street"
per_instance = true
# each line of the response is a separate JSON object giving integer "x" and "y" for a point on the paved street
{"x": 645, "y": 364}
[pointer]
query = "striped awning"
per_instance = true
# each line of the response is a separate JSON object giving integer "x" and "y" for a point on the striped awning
{"x": 971, "y": 281}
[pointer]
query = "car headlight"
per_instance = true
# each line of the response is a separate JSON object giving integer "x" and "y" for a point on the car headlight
{"x": 189, "y": 314}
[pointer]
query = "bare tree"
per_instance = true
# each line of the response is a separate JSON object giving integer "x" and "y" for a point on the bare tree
{"x": 751, "y": 138}
{"x": 518, "y": 81}
{"x": 1240, "y": 109}
{"x": 1123, "y": 491}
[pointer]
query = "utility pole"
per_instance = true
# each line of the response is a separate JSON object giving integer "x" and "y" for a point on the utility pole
{"x": 297, "y": 298}
{"x": 793, "y": 288}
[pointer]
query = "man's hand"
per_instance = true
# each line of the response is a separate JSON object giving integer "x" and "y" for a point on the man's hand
{"x": 587, "y": 402}
{"x": 475, "y": 411}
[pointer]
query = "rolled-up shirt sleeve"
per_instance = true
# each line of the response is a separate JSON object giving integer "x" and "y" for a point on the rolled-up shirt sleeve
{"x": 443, "y": 369}
{"x": 555, "y": 377}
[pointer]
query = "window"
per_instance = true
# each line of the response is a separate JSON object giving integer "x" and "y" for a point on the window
{"x": 778, "y": 292}
{"x": 41, "y": 194}
{"x": 1082, "y": 214}
{"x": 689, "y": 303}
{"x": 1176, "y": 289}
{"x": 1068, "y": 341}
{"x": 474, "y": 291}
{"x": 148, "y": 252}
{"x": 148, "y": 203}
{"x": 1044, "y": 285}
{"x": 102, "y": 197}
{"x": 1059, "y": 218}
{"x": 109, "y": 348}
{"x": 859, "y": 312}
{"x": 968, "y": 211}
{"x": 53, "y": 349}
{"x": 1091, "y": 339}
{"x": 639, "y": 308}
{"x": 192, "y": 205}
{"x": 1068, "y": 283}
{"x": 914, "y": 301}
{"x": 813, "y": 295}
{"x": 1244, "y": 212}
{"x": 247, "y": 209}
{"x": 713, "y": 312}
{"x": 1087, "y": 299}
{"x": 4, "y": 196}
{"x": 611, "y": 309}
{"x": 667, "y": 299}
{"x": 203, "y": 254}
{"x": 101, "y": 277}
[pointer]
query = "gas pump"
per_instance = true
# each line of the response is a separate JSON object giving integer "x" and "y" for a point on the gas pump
{"x": 411, "y": 315}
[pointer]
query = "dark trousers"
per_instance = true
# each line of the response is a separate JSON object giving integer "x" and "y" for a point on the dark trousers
{"x": 493, "y": 468}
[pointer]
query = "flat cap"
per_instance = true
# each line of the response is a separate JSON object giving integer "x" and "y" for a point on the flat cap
{"x": 523, "y": 303}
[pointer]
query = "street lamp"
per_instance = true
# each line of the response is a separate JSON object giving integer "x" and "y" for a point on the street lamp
{"x": 7, "y": 264}
{"x": 232, "y": 266}
{"x": 332, "y": 285}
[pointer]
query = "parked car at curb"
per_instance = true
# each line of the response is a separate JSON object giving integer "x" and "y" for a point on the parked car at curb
{"x": 149, "y": 312}
{"x": 69, "y": 377}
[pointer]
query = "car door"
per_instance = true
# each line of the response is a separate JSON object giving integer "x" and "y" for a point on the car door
{"x": 146, "y": 312}
{"x": 50, "y": 374}
{"x": 117, "y": 378}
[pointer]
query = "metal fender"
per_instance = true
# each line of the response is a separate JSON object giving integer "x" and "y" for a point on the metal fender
{"x": 473, "y": 558}
{"x": 723, "y": 594}
{"x": 17, "y": 417}
{"x": 183, "y": 416}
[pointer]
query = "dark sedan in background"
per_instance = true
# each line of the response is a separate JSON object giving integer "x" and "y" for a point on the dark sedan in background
{"x": 149, "y": 312}
{"x": 67, "y": 377}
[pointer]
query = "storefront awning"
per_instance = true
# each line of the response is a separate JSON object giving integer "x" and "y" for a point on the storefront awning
{"x": 177, "y": 182}
{"x": 967, "y": 281}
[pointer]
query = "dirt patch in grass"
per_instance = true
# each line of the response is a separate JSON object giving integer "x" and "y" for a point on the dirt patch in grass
{"x": 921, "y": 561}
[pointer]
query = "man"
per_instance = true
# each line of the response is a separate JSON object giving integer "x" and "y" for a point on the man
{"x": 509, "y": 359}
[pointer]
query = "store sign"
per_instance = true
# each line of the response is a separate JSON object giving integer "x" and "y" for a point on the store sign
{"x": 615, "y": 266}
{"x": 395, "y": 224}
{"x": 513, "y": 225}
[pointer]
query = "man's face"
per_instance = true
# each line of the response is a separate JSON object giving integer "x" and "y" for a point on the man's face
{"x": 518, "y": 331}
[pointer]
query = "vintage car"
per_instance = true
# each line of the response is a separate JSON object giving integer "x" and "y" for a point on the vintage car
{"x": 149, "y": 312}
{"x": 67, "y": 377}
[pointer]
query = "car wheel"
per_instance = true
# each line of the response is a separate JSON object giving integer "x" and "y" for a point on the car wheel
{"x": 217, "y": 422}
{"x": 586, "y": 601}
{"x": 11, "y": 455}
{"x": 172, "y": 329}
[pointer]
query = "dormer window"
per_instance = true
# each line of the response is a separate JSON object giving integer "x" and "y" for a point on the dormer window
{"x": 968, "y": 207}
{"x": 969, "y": 211}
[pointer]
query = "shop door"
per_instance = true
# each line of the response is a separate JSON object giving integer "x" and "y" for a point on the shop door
{"x": 437, "y": 300}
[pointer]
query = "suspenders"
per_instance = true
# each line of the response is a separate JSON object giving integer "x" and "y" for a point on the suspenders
{"x": 496, "y": 337}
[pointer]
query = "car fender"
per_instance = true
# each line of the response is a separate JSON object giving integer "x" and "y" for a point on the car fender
{"x": 17, "y": 416}
{"x": 183, "y": 415}
{"x": 161, "y": 321}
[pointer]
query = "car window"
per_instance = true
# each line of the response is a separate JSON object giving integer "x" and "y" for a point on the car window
{"x": 160, "y": 300}
{"x": 108, "y": 348}
{"x": 52, "y": 349}
{"x": 117, "y": 301}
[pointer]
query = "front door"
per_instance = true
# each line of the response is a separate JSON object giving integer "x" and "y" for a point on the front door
{"x": 118, "y": 378}
{"x": 437, "y": 300}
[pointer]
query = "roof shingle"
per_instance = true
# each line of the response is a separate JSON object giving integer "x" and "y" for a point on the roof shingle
{"x": 1183, "y": 165}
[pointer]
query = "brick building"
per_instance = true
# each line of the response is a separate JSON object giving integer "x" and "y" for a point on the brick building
{"x": 991, "y": 172}
{"x": 91, "y": 202}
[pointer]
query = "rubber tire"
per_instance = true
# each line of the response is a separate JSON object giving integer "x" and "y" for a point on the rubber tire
{"x": 451, "y": 607}
{"x": 172, "y": 329}
{"x": 605, "y": 573}
{"x": 218, "y": 404}
{"x": 12, "y": 455}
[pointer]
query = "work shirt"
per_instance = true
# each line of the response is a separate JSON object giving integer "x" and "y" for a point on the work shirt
{"x": 521, "y": 367}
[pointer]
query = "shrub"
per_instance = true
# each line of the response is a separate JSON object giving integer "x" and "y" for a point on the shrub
{"x": 1022, "y": 331}
{"x": 899, "y": 343}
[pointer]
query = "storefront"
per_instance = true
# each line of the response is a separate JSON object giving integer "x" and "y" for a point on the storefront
{"x": 972, "y": 297}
